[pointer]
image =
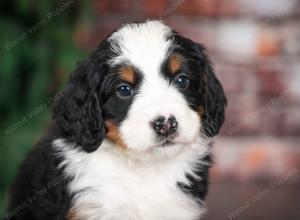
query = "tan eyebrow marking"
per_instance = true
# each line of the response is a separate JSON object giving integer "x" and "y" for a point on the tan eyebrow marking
{"x": 128, "y": 74}
{"x": 175, "y": 62}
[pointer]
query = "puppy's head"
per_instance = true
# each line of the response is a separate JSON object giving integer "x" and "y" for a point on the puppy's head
{"x": 145, "y": 87}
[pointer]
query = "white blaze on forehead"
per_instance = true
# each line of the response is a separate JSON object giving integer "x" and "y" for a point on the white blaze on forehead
{"x": 143, "y": 45}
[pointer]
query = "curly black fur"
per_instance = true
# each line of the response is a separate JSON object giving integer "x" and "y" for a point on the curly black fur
{"x": 78, "y": 110}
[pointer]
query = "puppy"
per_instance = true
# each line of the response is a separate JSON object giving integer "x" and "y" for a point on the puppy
{"x": 131, "y": 134}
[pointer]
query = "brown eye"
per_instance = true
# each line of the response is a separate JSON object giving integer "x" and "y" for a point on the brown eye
{"x": 182, "y": 81}
{"x": 124, "y": 91}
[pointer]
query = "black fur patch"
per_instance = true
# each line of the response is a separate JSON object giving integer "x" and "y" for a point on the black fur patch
{"x": 205, "y": 89}
{"x": 198, "y": 188}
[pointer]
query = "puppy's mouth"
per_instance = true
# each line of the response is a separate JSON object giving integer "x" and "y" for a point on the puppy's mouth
{"x": 167, "y": 141}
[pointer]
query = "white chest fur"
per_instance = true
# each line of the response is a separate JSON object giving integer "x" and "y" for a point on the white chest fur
{"x": 110, "y": 185}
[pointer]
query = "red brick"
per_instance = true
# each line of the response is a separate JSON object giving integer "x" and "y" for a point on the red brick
{"x": 268, "y": 43}
{"x": 242, "y": 115}
{"x": 199, "y": 32}
{"x": 292, "y": 80}
{"x": 291, "y": 123}
{"x": 271, "y": 82}
{"x": 271, "y": 119}
{"x": 81, "y": 36}
{"x": 200, "y": 7}
{"x": 291, "y": 39}
{"x": 229, "y": 8}
{"x": 108, "y": 6}
{"x": 95, "y": 33}
{"x": 156, "y": 8}
{"x": 230, "y": 77}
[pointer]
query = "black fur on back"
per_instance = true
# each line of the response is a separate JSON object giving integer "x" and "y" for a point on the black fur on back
{"x": 39, "y": 190}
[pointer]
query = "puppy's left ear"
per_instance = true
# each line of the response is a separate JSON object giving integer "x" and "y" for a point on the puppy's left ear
{"x": 214, "y": 99}
{"x": 77, "y": 111}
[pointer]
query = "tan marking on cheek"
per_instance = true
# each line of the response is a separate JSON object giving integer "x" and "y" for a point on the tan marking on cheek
{"x": 80, "y": 213}
{"x": 200, "y": 111}
{"x": 113, "y": 134}
{"x": 127, "y": 73}
{"x": 73, "y": 215}
{"x": 175, "y": 63}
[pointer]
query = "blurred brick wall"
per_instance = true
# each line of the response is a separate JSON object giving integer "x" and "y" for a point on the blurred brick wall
{"x": 255, "y": 46}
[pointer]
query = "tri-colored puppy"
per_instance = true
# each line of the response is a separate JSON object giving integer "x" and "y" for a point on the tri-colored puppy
{"x": 131, "y": 135}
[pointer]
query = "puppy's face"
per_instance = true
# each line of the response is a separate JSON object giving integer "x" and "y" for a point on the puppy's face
{"x": 146, "y": 88}
{"x": 157, "y": 91}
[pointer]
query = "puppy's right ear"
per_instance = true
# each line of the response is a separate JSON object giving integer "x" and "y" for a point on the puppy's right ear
{"x": 78, "y": 110}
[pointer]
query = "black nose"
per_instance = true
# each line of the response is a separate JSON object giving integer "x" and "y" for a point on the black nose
{"x": 165, "y": 127}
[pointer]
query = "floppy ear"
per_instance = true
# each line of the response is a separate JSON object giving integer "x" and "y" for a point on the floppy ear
{"x": 78, "y": 110}
{"x": 214, "y": 99}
